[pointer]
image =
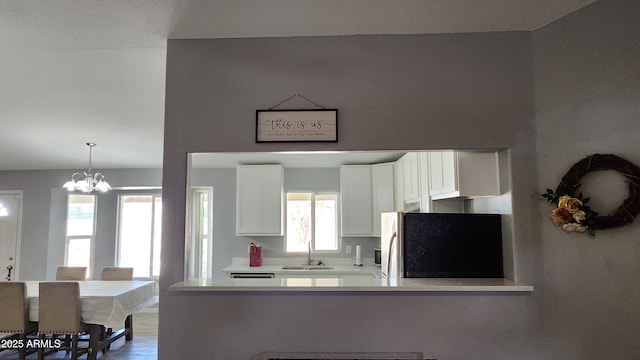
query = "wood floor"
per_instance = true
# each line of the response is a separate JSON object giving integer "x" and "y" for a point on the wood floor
{"x": 144, "y": 345}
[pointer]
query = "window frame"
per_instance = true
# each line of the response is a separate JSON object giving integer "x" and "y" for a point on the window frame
{"x": 92, "y": 237}
{"x": 196, "y": 233}
{"x": 313, "y": 194}
{"x": 155, "y": 194}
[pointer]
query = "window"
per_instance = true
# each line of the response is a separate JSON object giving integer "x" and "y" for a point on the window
{"x": 312, "y": 219}
{"x": 140, "y": 223}
{"x": 200, "y": 266}
{"x": 79, "y": 242}
{"x": 3, "y": 210}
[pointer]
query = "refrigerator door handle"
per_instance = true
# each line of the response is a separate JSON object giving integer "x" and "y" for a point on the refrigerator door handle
{"x": 391, "y": 240}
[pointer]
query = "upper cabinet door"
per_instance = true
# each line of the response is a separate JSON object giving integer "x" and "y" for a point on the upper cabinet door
{"x": 259, "y": 200}
{"x": 410, "y": 177}
{"x": 423, "y": 164}
{"x": 356, "y": 200}
{"x": 382, "y": 177}
{"x": 449, "y": 172}
{"x": 366, "y": 192}
{"x": 435, "y": 173}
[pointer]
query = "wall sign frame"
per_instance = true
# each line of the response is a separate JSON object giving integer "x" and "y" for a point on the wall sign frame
{"x": 297, "y": 125}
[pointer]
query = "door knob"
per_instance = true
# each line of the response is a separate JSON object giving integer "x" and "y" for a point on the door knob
{"x": 9, "y": 268}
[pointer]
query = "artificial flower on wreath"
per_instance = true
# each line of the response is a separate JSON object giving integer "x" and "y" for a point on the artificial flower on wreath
{"x": 571, "y": 212}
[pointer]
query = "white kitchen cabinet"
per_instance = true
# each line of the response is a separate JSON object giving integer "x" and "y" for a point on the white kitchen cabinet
{"x": 456, "y": 174}
{"x": 366, "y": 191}
{"x": 435, "y": 173}
{"x": 398, "y": 191}
{"x": 425, "y": 199}
{"x": 259, "y": 200}
{"x": 356, "y": 194}
{"x": 382, "y": 177}
{"x": 451, "y": 171}
{"x": 410, "y": 178}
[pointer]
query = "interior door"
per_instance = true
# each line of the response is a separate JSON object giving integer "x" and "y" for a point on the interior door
{"x": 10, "y": 222}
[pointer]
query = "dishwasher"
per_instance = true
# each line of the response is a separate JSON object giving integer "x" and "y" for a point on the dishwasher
{"x": 256, "y": 275}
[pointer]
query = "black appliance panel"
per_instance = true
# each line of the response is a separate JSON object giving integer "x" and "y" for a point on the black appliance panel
{"x": 452, "y": 246}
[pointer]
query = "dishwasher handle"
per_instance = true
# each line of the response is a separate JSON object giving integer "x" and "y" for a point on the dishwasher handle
{"x": 253, "y": 275}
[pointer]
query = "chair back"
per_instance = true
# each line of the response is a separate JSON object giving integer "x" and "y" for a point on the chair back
{"x": 14, "y": 313}
{"x": 75, "y": 273}
{"x": 117, "y": 273}
{"x": 59, "y": 308}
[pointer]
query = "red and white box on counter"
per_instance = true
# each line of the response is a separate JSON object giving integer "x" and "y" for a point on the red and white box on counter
{"x": 255, "y": 255}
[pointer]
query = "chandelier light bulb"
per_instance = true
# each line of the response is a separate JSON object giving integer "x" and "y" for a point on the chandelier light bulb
{"x": 102, "y": 186}
{"x": 70, "y": 185}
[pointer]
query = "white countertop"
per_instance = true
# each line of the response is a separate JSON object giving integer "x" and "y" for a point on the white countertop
{"x": 349, "y": 283}
{"x": 343, "y": 277}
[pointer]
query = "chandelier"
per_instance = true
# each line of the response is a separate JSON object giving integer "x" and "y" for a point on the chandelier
{"x": 87, "y": 181}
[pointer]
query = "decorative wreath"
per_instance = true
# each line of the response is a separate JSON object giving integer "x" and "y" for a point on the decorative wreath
{"x": 572, "y": 211}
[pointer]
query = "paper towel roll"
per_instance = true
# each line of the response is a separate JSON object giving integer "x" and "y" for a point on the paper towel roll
{"x": 358, "y": 255}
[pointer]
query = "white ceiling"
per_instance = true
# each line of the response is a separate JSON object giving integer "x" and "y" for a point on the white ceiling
{"x": 73, "y": 71}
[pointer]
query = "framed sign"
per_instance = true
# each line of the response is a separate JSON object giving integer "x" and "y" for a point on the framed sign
{"x": 299, "y": 125}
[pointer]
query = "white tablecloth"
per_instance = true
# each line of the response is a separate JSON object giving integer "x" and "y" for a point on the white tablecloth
{"x": 104, "y": 302}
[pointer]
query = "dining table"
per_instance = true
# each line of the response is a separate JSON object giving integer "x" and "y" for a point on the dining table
{"x": 104, "y": 305}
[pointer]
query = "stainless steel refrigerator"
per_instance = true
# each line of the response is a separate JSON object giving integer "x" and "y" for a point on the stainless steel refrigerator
{"x": 432, "y": 245}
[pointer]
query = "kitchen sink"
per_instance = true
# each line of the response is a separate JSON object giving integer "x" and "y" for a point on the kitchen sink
{"x": 307, "y": 267}
{"x": 318, "y": 267}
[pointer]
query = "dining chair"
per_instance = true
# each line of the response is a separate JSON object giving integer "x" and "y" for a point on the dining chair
{"x": 111, "y": 273}
{"x": 59, "y": 314}
{"x": 14, "y": 316}
{"x": 77, "y": 273}
{"x": 116, "y": 273}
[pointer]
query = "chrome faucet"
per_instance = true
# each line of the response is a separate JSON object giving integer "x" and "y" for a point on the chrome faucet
{"x": 309, "y": 259}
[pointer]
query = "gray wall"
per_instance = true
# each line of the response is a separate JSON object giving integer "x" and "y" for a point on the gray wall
{"x": 417, "y": 92}
{"x": 44, "y": 214}
{"x": 588, "y": 101}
